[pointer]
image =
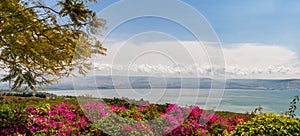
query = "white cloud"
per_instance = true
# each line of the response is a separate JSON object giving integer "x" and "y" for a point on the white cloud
{"x": 165, "y": 70}
{"x": 260, "y": 61}
{"x": 258, "y": 55}
{"x": 189, "y": 58}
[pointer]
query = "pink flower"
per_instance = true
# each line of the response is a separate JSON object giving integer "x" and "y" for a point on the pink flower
{"x": 230, "y": 129}
{"x": 139, "y": 126}
{"x": 171, "y": 106}
{"x": 52, "y": 107}
{"x": 140, "y": 108}
{"x": 123, "y": 108}
{"x": 104, "y": 113}
{"x": 30, "y": 108}
{"x": 213, "y": 118}
{"x": 126, "y": 127}
{"x": 202, "y": 132}
{"x": 112, "y": 107}
{"x": 222, "y": 121}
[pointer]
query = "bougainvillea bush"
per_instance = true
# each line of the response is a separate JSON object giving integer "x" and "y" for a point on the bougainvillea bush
{"x": 118, "y": 117}
{"x": 60, "y": 119}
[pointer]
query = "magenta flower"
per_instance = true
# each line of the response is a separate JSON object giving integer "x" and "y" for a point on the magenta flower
{"x": 230, "y": 129}
{"x": 140, "y": 108}
{"x": 30, "y": 108}
{"x": 112, "y": 107}
{"x": 213, "y": 118}
{"x": 126, "y": 127}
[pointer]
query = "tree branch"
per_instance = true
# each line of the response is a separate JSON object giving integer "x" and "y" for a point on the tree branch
{"x": 44, "y": 7}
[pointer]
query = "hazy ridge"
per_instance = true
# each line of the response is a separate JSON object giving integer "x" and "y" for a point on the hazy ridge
{"x": 122, "y": 82}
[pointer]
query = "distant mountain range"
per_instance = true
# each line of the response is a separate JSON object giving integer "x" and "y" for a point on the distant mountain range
{"x": 122, "y": 82}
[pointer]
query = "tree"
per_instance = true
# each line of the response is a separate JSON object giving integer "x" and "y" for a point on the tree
{"x": 40, "y": 44}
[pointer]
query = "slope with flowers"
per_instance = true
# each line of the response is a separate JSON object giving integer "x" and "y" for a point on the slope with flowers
{"x": 36, "y": 116}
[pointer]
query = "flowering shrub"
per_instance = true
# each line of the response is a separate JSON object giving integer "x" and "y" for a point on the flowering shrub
{"x": 120, "y": 119}
{"x": 12, "y": 121}
{"x": 61, "y": 119}
{"x": 201, "y": 123}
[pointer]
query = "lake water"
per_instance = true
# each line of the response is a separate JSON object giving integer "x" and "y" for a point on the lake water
{"x": 221, "y": 100}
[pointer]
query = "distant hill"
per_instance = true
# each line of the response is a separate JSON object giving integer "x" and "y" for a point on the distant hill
{"x": 122, "y": 82}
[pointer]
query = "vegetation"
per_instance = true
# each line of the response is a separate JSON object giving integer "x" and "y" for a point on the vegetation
{"x": 293, "y": 107}
{"x": 64, "y": 116}
{"x": 61, "y": 116}
{"x": 39, "y": 43}
{"x": 269, "y": 124}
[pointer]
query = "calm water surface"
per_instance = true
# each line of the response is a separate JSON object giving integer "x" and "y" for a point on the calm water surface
{"x": 221, "y": 100}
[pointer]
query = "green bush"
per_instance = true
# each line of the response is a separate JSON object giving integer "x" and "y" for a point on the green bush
{"x": 12, "y": 120}
{"x": 269, "y": 124}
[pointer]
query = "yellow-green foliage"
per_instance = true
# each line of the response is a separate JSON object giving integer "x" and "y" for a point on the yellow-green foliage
{"x": 38, "y": 48}
{"x": 269, "y": 124}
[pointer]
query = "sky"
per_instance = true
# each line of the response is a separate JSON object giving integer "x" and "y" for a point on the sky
{"x": 238, "y": 39}
{"x": 273, "y": 22}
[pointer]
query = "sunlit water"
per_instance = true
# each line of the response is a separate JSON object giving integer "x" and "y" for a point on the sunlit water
{"x": 228, "y": 100}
